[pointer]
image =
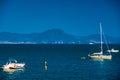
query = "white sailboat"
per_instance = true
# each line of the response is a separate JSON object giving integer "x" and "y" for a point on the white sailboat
{"x": 100, "y": 55}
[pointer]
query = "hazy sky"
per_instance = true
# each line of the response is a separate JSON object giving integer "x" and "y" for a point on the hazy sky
{"x": 77, "y": 17}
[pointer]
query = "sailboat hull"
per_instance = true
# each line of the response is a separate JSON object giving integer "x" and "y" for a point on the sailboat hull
{"x": 101, "y": 57}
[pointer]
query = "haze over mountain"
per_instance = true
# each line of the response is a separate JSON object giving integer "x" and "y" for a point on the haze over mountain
{"x": 52, "y": 36}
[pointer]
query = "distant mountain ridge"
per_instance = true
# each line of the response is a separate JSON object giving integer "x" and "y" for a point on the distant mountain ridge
{"x": 52, "y": 36}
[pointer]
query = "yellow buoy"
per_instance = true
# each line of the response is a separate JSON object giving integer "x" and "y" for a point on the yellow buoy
{"x": 45, "y": 66}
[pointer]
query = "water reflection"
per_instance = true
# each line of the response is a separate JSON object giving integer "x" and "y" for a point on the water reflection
{"x": 12, "y": 70}
{"x": 97, "y": 59}
{"x": 11, "y": 74}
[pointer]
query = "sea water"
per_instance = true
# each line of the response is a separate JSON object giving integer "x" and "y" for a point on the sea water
{"x": 64, "y": 62}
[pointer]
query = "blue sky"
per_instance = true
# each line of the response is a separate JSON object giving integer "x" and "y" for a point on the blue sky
{"x": 76, "y": 17}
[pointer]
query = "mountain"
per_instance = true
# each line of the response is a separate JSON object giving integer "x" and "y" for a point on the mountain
{"x": 52, "y": 36}
{"x": 56, "y": 36}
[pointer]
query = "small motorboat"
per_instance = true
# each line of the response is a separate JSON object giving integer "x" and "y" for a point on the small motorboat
{"x": 113, "y": 50}
{"x": 12, "y": 64}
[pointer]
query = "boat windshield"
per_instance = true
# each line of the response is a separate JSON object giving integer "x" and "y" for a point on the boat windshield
{"x": 12, "y": 60}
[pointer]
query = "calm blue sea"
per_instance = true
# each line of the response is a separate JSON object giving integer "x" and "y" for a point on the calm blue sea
{"x": 64, "y": 62}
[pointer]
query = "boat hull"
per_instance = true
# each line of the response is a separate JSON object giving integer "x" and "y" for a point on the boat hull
{"x": 115, "y": 51}
{"x": 14, "y": 66}
{"x": 101, "y": 57}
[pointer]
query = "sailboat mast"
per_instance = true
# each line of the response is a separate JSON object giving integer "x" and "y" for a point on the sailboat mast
{"x": 101, "y": 37}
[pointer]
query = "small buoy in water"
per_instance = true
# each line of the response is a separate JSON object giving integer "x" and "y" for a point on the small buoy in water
{"x": 83, "y": 57}
{"x": 45, "y": 66}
